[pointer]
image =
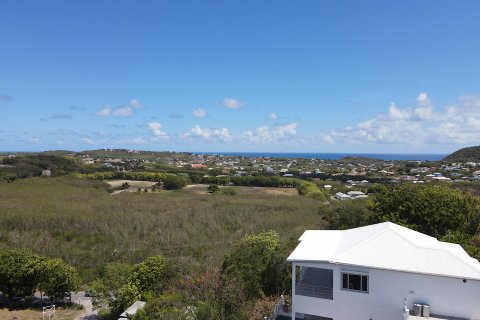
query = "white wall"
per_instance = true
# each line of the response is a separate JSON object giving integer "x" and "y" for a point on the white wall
{"x": 387, "y": 290}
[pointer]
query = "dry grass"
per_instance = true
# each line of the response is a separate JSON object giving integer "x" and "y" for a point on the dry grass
{"x": 202, "y": 189}
{"x": 29, "y": 314}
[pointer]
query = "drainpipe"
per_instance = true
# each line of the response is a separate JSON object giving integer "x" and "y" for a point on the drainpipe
{"x": 294, "y": 271}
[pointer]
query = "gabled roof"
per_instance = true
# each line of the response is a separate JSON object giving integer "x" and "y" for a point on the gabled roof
{"x": 386, "y": 246}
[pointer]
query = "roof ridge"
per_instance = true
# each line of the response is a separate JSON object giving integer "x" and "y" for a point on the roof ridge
{"x": 361, "y": 242}
{"x": 450, "y": 253}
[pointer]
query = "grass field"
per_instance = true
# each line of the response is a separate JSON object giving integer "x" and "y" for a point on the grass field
{"x": 29, "y": 314}
{"x": 79, "y": 221}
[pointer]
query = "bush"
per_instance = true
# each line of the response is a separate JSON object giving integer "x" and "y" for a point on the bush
{"x": 228, "y": 191}
{"x": 212, "y": 188}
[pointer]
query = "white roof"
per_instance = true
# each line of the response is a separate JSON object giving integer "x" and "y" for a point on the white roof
{"x": 386, "y": 246}
{"x": 132, "y": 309}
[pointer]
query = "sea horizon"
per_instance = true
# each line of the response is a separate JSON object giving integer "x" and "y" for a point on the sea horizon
{"x": 333, "y": 155}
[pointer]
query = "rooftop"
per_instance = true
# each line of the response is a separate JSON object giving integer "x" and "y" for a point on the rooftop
{"x": 386, "y": 246}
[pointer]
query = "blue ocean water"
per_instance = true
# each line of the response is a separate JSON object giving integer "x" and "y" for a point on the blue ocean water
{"x": 333, "y": 156}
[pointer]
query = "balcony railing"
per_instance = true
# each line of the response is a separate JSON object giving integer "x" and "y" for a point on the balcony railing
{"x": 313, "y": 290}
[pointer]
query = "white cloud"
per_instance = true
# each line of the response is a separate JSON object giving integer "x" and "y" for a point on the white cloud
{"x": 222, "y": 134}
{"x": 199, "y": 112}
{"x": 419, "y": 126}
{"x": 122, "y": 111}
{"x": 232, "y": 103}
{"x": 125, "y": 111}
{"x": 265, "y": 134}
{"x": 423, "y": 100}
{"x": 156, "y": 129}
{"x": 134, "y": 103}
{"x": 273, "y": 116}
{"x": 104, "y": 111}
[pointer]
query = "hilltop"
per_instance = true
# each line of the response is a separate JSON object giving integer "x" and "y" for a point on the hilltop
{"x": 469, "y": 154}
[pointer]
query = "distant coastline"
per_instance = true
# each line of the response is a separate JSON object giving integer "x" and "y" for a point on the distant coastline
{"x": 333, "y": 156}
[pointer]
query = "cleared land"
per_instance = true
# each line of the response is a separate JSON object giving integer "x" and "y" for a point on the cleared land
{"x": 202, "y": 189}
{"x": 81, "y": 222}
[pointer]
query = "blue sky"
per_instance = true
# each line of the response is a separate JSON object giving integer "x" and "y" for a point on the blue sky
{"x": 293, "y": 76}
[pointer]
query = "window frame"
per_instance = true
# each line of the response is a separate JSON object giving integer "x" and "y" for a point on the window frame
{"x": 355, "y": 273}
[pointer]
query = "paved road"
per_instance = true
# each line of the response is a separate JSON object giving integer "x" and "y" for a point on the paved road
{"x": 86, "y": 302}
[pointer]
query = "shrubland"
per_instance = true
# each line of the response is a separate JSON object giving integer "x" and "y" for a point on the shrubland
{"x": 79, "y": 221}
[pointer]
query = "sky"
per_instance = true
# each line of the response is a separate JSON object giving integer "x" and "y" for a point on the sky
{"x": 273, "y": 76}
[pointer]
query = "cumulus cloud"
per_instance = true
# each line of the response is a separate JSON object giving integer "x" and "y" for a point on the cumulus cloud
{"x": 219, "y": 134}
{"x": 125, "y": 111}
{"x": 156, "y": 130}
{"x": 122, "y": 111}
{"x": 199, "y": 112}
{"x": 134, "y": 103}
{"x": 104, "y": 111}
{"x": 232, "y": 103}
{"x": 272, "y": 116}
{"x": 265, "y": 134}
{"x": 420, "y": 125}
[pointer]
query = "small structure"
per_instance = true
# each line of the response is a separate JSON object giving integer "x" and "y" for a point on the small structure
{"x": 46, "y": 173}
{"x": 327, "y": 187}
{"x": 132, "y": 310}
{"x": 342, "y": 196}
{"x": 357, "y": 194}
{"x": 48, "y": 312}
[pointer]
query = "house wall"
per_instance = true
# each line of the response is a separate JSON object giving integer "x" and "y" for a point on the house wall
{"x": 387, "y": 291}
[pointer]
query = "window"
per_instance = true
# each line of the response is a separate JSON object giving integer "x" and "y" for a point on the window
{"x": 355, "y": 282}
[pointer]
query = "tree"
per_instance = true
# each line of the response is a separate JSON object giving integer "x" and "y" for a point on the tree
{"x": 169, "y": 305}
{"x": 174, "y": 182}
{"x": 150, "y": 276}
{"x": 58, "y": 278}
{"x": 347, "y": 214}
{"x": 212, "y": 188}
{"x": 19, "y": 272}
{"x": 113, "y": 276}
{"x": 215, "y": 296}
{"x": 432, "y": 209}
{"x": 22, "y": 272}
{"x": 254, "y": 261}
{"x": 127, "y": 295}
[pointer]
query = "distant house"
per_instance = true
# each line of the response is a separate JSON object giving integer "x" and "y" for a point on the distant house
{"x": 342, "y": 196}
{"x": 199, "y": 166}
{"x": 382, "y": 272}
{"x": 441, "y": 179}
{"x": 357, "y": 194}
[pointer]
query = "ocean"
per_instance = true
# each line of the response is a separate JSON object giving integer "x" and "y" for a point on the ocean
{"x": 333, "y": 156}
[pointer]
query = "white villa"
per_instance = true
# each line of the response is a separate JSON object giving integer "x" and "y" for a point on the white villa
{"x": 382, "y": 272}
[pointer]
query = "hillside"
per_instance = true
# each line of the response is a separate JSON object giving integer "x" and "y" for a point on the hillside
{"x": 469, "y": 154}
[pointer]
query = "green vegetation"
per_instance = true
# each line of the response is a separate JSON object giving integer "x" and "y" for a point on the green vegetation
{"x": 311, "y": 190}
{"x": 79, "y": 221}
{"x": 22, "y": 273}
{"x": 33, "y": 165}
{"x": 259, "y": 264}
{"x": 433, "y": 209}
{"x": 469, "y": 154}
